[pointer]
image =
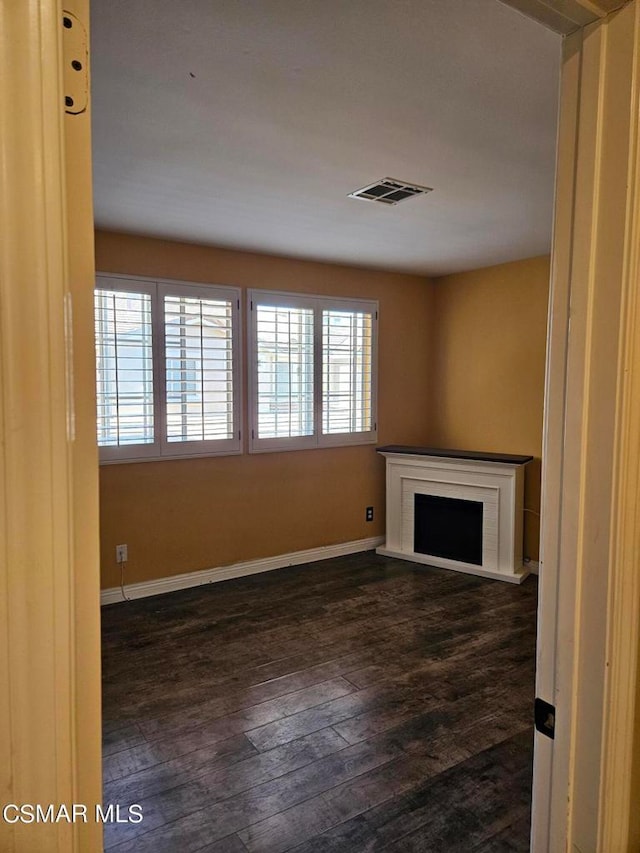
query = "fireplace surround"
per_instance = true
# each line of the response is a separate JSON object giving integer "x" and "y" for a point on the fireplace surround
{"x": 456, "y": 509}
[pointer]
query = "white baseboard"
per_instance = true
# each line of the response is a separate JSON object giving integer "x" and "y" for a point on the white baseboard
{"x": 516, "y": 577}
{"x": 237, "y": 570}
{"x": 533, "y": 566}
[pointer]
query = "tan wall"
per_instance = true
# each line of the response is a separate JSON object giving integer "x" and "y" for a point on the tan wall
{"x": 488, "y": 355}
{"x": 191, "y": 514}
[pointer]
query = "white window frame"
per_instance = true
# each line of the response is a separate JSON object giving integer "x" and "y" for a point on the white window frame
{"x": 161, "y": 448}
{"x": 318, "y": 304}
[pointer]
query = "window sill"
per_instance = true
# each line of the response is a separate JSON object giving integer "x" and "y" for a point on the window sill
{"x": 252, "y": 450}
{"x": 135, "y": 460}
{"x": 255, "y": 447}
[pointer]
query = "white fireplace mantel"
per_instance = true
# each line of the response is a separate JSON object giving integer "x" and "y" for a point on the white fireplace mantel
{"x": 494, "y": 480}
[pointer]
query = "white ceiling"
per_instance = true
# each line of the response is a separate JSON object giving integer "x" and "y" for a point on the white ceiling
{"x": 245, "y": 123}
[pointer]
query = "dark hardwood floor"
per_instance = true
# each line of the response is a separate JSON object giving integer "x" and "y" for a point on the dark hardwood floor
{"x": 357, "y": 704}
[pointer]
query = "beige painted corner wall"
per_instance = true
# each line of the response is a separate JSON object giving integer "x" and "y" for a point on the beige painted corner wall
{"x": 191, "y": 514}
{"x": 488, "y": 362}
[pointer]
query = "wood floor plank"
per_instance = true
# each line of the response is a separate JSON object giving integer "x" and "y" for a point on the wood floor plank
{"x": 206, "y": 733}
{"x": 317, "y": 814}
{"x": 207, "y": 820}
{"x": 195, "y": 686}
{"x": 331, "y": 707}
{"x": 230, "y": 776}
{"x": 123, "y": 737}
{"x": 230, "y": 844}
{"x": 512, "y": 839}
{"x": 469, "y": 801}
{"x": 280, "y": 705}
{"x": 156, "y": 757}
{"x": 442, "y": 589}
{"x": 405, "y": 696}
{"x": 237, "y": 605}
{"x": 166, "y": 801}
{"x": 449, "y": 812}
{"x": 229, "y": 697}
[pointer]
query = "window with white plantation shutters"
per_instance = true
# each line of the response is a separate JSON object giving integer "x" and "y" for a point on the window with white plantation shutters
{"x": 124, "y": 368}
{"x": 312, "y": 378}
{"x": 347, "y": 371}
{"x": 284, "y": 338}
{"x": 199, "y": 368}
{"x": 168, "y": 369}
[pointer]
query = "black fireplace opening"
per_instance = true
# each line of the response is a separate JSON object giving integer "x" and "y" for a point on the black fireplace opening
{"x": 449, "y": 528}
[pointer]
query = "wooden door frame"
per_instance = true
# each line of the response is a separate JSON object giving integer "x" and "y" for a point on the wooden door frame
{"x": 49, "y": 601}
{"x": 589, "y": 612}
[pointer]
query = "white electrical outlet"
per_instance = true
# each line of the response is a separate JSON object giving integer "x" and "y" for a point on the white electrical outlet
{"x": 122, "y": 553}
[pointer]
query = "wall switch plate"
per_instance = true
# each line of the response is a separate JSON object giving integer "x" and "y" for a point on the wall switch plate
{"x": 369, "y": 513}
{"x": 122, "y": 553}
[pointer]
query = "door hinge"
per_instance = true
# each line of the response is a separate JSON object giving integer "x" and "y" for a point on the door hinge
{"x": 545, "y": 718}
{"x": 75, "y": 57}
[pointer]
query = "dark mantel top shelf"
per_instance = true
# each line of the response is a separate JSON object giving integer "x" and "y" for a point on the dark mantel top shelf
{"x": 475, "y": 455}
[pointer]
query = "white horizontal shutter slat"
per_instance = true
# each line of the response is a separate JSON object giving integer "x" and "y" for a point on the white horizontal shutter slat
{"x": 284, "y": 348}
{"x": 124, "y": 368}
{"x": 347, "y": 371}
{"x": 199, "y": 364}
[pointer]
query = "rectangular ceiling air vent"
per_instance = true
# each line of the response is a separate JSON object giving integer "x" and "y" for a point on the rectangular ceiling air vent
{"x": 389, "y": 191}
